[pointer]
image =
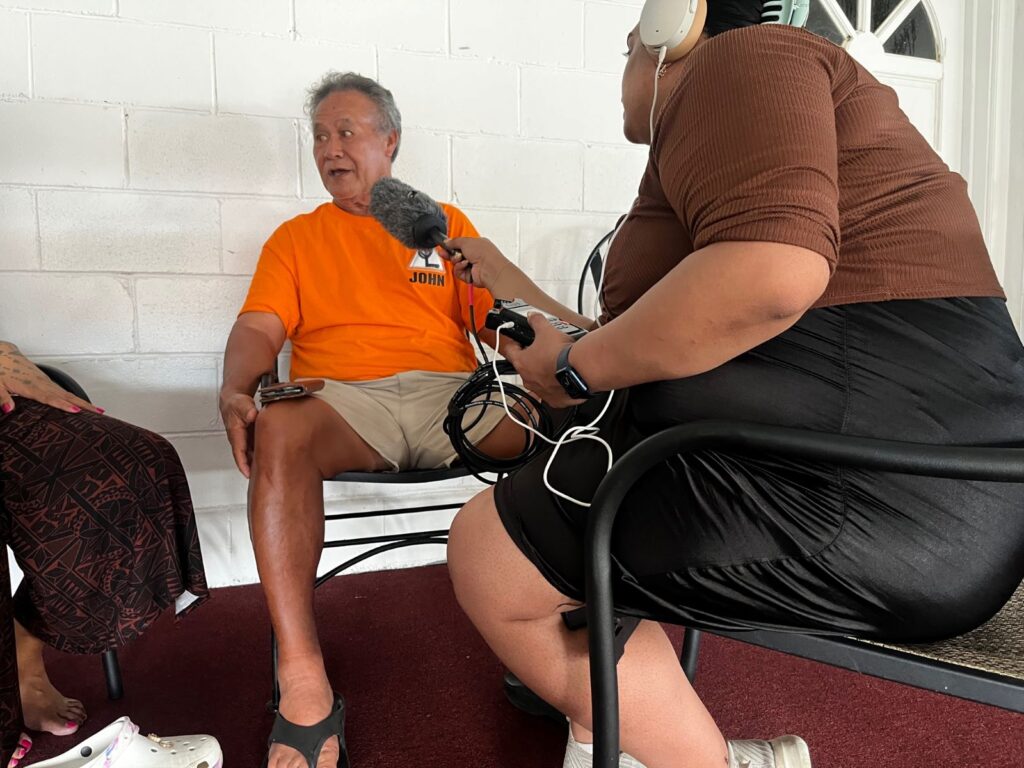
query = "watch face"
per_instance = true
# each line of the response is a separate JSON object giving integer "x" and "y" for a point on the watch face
{"x": 572, "y": 384}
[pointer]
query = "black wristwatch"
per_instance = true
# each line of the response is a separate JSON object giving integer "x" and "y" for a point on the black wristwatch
{"x": 569, "y": 377}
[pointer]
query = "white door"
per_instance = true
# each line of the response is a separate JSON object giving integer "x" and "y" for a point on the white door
{"x": 915, "y": 46}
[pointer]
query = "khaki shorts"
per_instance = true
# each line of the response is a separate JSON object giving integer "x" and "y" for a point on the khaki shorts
{"x": 401, "y": 416}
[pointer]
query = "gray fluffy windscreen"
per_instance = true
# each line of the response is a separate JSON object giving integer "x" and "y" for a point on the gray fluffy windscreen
{"x": 397, "y": 206}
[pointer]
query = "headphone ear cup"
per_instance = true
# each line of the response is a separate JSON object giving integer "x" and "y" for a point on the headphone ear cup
{"x": 673, "y": 24}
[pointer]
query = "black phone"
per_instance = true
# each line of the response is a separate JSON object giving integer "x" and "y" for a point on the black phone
{"x": 516, "y": 311}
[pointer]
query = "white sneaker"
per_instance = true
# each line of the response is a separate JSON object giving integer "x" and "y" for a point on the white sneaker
{"x": 783, "y": 752}
{"x": 120, "y": 745}
{"x": 577, "y": 757}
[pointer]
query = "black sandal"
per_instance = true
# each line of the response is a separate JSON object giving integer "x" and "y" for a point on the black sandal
{"x": 309, "y": 740}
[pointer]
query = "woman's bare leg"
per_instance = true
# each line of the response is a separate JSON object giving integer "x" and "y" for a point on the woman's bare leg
{"x": 663, "y": 722}
{"x": 44, "y": 708}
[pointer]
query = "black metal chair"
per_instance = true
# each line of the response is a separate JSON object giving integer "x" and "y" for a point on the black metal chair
{"x": 111, "y": 667}
{"x": 386, "y": 542}
{"x": 992, "y": 463}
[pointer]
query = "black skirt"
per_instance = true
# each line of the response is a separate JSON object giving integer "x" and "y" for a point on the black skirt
{"x": 723, "y": 540}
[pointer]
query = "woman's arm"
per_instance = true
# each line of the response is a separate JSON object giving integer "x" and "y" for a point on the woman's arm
{"x": 719, "y": 302}
{"x": 492, "y": 269}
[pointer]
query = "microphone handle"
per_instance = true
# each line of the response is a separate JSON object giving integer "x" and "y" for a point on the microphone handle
{"x": 438, "y": 236}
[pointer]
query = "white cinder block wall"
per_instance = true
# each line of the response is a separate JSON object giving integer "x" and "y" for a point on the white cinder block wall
{"x": 149, "y": 147}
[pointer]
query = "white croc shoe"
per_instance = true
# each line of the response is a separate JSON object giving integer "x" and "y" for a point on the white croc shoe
{"x": 120, "y": 745}
{"x": 783, "y": 752}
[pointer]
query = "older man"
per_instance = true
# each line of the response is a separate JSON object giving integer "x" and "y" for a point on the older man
{"x": 385, "y": 327}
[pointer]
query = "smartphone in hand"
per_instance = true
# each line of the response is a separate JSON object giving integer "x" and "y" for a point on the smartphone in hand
{"x": 289, "y": 390}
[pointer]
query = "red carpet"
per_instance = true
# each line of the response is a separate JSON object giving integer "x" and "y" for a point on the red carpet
{"x": 424, "y": 691}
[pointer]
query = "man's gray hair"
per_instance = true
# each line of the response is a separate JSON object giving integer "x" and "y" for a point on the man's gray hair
{"x": 390, "y": 117}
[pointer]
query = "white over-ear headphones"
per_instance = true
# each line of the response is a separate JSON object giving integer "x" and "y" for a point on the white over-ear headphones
{"x": 670, "y": 28}
{"x": 676, "y": 25}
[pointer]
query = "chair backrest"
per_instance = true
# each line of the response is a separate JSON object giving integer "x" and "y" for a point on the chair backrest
{"x": 590, "y": 277}
{"x": 64, "y": 381}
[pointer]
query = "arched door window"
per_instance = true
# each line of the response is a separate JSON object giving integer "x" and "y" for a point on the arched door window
{"x": 899, "y": 41}
{"x": 899, "y": 27}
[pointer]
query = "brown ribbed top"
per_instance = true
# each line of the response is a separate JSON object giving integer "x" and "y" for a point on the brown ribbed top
{"x": 775, "y": 134}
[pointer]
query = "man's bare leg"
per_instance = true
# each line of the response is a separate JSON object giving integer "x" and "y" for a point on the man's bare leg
{"x": 298, "y": 444}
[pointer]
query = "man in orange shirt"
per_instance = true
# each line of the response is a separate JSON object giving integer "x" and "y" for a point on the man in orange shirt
{"x": 384, "y": 326}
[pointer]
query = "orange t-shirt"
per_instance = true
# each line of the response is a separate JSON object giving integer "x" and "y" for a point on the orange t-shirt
{"x": 357, "y": 304}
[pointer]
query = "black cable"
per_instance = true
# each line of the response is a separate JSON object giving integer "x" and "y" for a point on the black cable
{"x": 480, "y": 392}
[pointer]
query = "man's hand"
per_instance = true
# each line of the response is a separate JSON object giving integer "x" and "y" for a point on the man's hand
{"x": 536, "y": 363}
{"x": 238, "y": 411}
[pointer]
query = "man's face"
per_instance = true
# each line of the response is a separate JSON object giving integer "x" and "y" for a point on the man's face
{"x": 350, "y": 150}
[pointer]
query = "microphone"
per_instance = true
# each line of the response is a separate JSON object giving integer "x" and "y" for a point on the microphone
{"x": 410, "y": 216}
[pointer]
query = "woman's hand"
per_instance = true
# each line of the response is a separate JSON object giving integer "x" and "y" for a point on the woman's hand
{"x": 536, "y": 363}
{"x": 488, "y": 266}
{"x": 18, "y": 376}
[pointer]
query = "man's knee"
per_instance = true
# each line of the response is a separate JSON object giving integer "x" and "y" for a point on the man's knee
{"x": 283, "y": 435}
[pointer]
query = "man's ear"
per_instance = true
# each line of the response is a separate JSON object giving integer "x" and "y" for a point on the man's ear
{"x": 392, "y": 145}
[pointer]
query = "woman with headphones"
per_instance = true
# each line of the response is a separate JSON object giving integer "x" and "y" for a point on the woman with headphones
{"x": 796, "y": 255}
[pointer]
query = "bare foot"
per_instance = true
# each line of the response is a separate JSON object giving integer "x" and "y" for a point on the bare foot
{"x": 306, "y": 699}
{"x": 45, "y": 709}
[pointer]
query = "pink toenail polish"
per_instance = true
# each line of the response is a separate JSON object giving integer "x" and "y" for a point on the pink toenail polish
{"x": 75, "y": 409}
{"x": 70, "y": 724}
{"x": 6, "y": 408}
{"x": 101, "y": 410}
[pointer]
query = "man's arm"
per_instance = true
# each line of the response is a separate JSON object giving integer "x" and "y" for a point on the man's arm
{"x": 252, "y": 349}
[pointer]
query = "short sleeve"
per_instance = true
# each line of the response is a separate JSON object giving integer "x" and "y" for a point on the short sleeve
{"x": 746, "y": 147}
{"x": 274, "y": 287}
{"x": 459, "y": 225}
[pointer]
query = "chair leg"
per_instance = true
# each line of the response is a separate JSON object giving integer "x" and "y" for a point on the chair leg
{"x": 689, "y": 653}
{"x": 275, "y": 694}
{"x": 112, "y": 671}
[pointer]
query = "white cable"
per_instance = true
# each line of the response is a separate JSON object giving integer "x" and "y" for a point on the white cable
{"x": 662, "y": 53}
{"x": 586, "y": 432}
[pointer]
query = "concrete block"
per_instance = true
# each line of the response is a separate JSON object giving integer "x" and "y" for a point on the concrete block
{"x": 555, "y": 246}
{"x": 605, "y": 33}
{"x": 271, "y": 17}
{"x": 547, "y": 32}
{"x": 611, "y": 177}
{"x": 512, "y": 173}
{"x": 578, "y": 106}
{"x": 125, "y": 232}
{"x": 500, "y": 227}
{"x": 95, "y": 7}
{"x": 187, "y": 314}
{"x": 269, "y": 76}
{"x": 437, "y": 93}
{"x": 211, "y": 153}
{"x": 61, "y": 144}
{"x": 14, "y": 69}
{"x": 212, "y": 475}
{"x": 126, "y": 63}
{"x": 165, "y": 394}
{"x": 19, "y": 247}
{"x": 418, "y": 26}
{"x": 55, "y": 314}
